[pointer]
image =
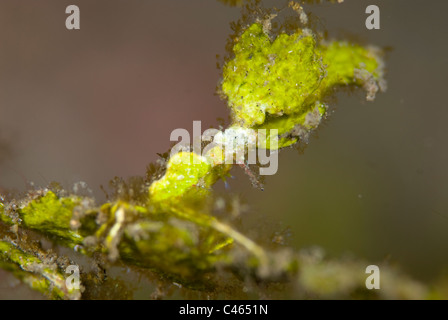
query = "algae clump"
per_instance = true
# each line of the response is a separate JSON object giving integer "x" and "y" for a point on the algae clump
{"x": 282, "y": 83}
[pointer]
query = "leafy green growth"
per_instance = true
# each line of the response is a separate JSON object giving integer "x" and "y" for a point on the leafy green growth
{"x": 51, "y": 215}
{"x": 185, "y": 170}
{"x": 179, "y": 242}
{"x": 271, "y": 78}
{"x": 41, "y": 276}
{"x": 282, "y": 83}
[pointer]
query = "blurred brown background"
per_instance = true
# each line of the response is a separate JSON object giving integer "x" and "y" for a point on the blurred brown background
{"x": 102, "y": 101}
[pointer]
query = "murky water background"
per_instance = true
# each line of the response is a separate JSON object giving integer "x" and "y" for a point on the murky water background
{"x": 101, "y": 102}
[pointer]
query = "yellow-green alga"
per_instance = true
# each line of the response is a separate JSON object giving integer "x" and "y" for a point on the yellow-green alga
{"x": 282, "y": 83}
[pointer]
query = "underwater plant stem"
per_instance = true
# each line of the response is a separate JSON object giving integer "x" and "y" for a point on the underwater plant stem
{"x": 40, "y": 276}
{"x": 247, "y": 243}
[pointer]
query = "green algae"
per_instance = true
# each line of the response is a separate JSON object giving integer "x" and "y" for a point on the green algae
{"x": 52, "y": 215}
{"x": 282, "y": 83}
